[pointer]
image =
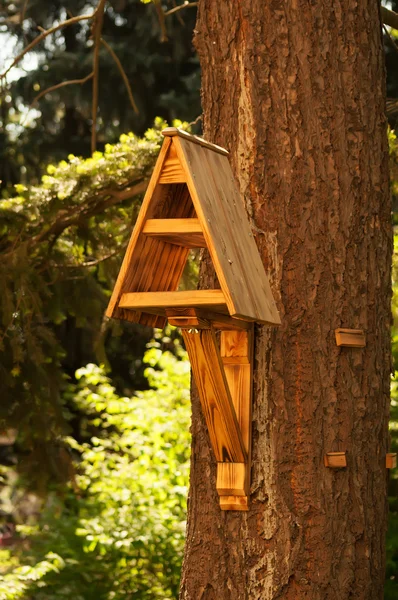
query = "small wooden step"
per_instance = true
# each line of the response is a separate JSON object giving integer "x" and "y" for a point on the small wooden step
{"x": 181, "y": 232}
{"x": 186, "y": 299}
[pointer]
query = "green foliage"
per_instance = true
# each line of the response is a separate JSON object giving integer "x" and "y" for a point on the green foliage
{"x": 117, "y": 531}
{"x": 60, "y": 248}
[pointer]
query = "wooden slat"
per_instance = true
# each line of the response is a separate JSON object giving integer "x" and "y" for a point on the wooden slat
{"x": 182, "y": 232}
{"x": 391, "y": 460}
{"x": 224, "y": 431}
{"x": 227, "y": 233}
{"x": 238, "y": 346}
{"x": 172, "y": 171}
{"x": 188, "y": 298}
{"x": 351, "y": 338}
{"x": 202, "y": 318}
{"x": 186, "y": 318}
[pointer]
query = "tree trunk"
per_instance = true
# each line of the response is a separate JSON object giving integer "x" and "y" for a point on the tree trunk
{"x": 296, "y": 91}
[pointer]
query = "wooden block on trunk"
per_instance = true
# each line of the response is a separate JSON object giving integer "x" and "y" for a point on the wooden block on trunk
{"x": 231, "y": 479}
{"x": 391, "y": 460}
{"x": 335, "y": 460}
{"x": 351, "y": 338}
{"x": 234, "y": 503}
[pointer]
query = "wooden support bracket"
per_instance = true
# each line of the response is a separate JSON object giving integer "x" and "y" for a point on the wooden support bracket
{"x": 391, "y": 460}
{"x": 224, "y": 380}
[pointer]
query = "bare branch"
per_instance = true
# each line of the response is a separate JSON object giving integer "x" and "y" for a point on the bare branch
{"x": 179, "y": 17}
{"x": 42, "y": 36}
{"x": 389, "y": 17}
{"x": 23, "y": 11}
{"x": 192, "y": 123}
{"x": 97, "y": 29}
{"x": 180, "y": 7}
{"x": 61, "y": 85}
{"x": 160, "y": 13}
{"x": 122, "y": 73}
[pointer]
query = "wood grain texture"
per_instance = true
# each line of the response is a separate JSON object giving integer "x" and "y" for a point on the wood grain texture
{"x": 335, "y": 460}
{"x": 231, "y": 479}
{"x": 189, "y": 298}
{"x": 351, "y": 338}
{"x": 217, "y": 406}
{"x": 236, "y": 350}
{"x": 227, "y": 233}
{"x": 172, "y": 171}
{"x": 182, "y": 232}
{"x": 234, "y": 503}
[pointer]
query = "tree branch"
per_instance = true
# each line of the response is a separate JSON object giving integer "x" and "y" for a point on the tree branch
{"x": 161, "y": 14}
{"x": 180, "y": 7}
{"x": 389, "y": 17}
{"x": 60, "y": 85}
{"x": 122, "y": 73}
{"x": 97, "y": 29}
{"x": 23, "y": 11}
{"x": 42, "y": 36}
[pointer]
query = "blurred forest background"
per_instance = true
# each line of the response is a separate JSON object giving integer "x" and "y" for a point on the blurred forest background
{"x": 94, "y": 430}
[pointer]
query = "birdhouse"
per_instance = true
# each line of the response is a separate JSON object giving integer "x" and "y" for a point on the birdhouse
{"x": 192, "y": 202}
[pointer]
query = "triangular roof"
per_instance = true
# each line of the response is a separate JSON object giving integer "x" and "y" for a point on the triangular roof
{"x": 192, "y": 201}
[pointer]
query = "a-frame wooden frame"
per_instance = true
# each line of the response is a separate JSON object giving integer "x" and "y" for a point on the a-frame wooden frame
{"x": 192, "y": 201}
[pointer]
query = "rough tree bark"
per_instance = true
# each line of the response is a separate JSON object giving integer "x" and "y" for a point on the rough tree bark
{"x": 296, "y": 91}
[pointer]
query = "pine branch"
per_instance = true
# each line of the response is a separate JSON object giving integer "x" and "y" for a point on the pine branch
{"x": 123, "y": 74}
{"x": 103, "y": 200}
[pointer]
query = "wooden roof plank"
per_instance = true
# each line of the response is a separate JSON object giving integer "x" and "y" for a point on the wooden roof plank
{"x": 175, "y": 132}
{"x": 227, "y": 233}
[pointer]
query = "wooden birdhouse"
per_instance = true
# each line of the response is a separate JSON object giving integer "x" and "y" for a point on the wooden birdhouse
{"x": 192, "y": 202}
